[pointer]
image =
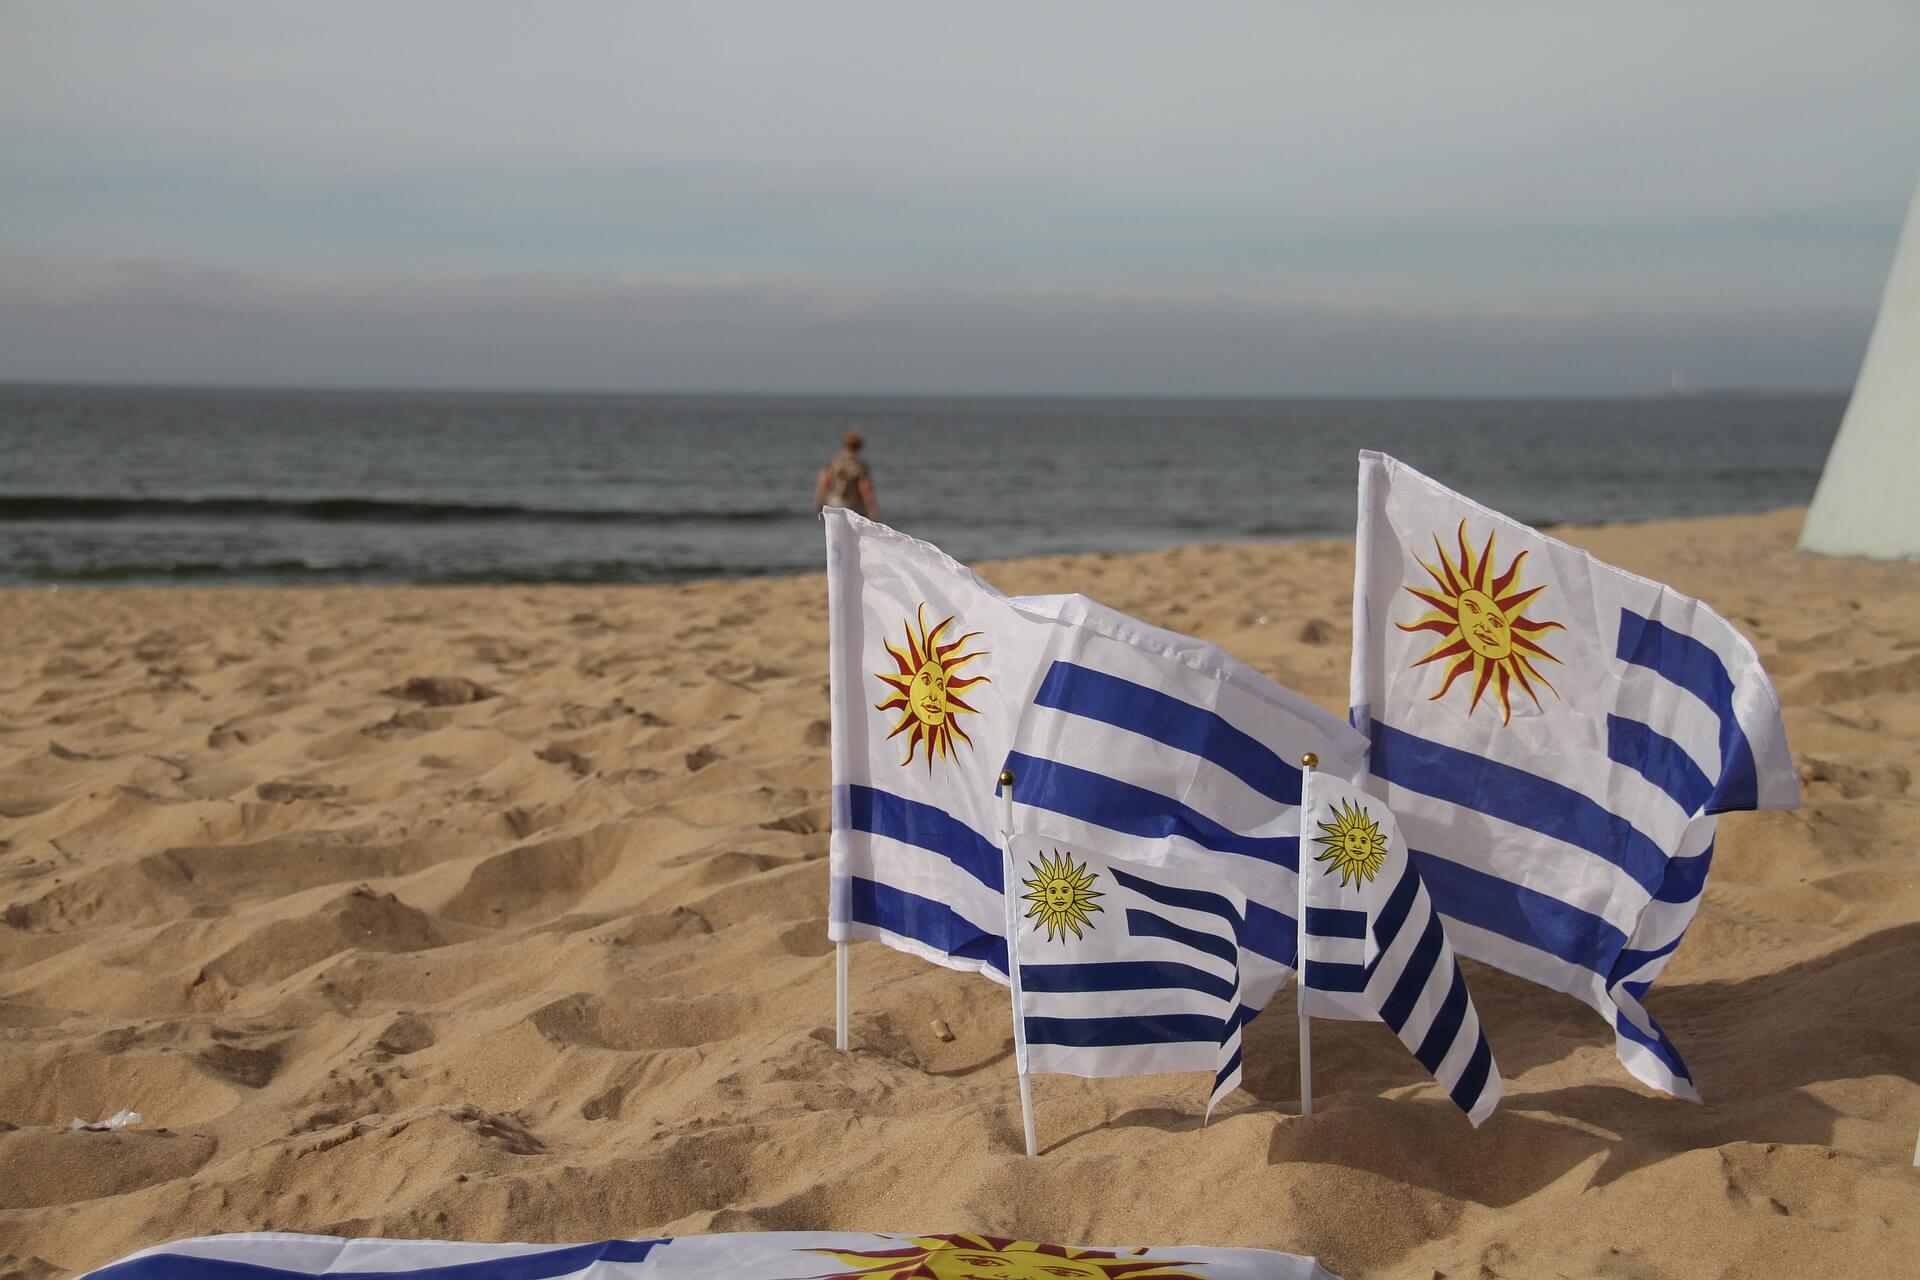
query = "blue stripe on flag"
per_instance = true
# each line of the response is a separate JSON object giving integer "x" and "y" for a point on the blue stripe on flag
{"x": 1123, "y": 975}
{"x": 1271, "y": 934}
{"x": 1232, "y": 1065}
{"x": 1445, "y": 1025}
{"x": 884, "y": 814}
{"x": 1336, "y": 922}
{"x": 1658, "y": 759}
{"x": 1393, "y": 912}
{"x": 1631, "y": 961}
{"x": 1150, "y": 713}
{"x": 1514, "y": 911}
{"x": 1407, "y": 988}
{"x": 1686, "y": 877}
{"x": 924, "y": 920}
{"x": 525, "y": 1266}
{"x": 1325, "y": 975}
{"x": 1186, "y": 899}
{"x": 1514, "y": 795}
{"x": 1697, "y": 669}
{"x": 1121, "y": 806}
{"x": 1147, "y": 1028}
{"x": 1661, "y": 1047}
{"x": 1466, "y": 1090}
{"x": 1145, "y": 924}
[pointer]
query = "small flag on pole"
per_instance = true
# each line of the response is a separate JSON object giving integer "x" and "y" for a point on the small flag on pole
{"x": 1370, "y": 934}
{"x": 1125, "y": 968}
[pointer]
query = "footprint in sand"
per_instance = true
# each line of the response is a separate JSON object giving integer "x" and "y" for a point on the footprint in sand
{"x": 503, "y": 1131}
{"x": 288, "y": 790}
{"x": 554, "y": 753}
{"x": 252, "y": 1067}
{"x": 808, "y": 938}
{"x": 805, "y": 822}
{"x": 441, "y": 691}
{"x": 539, "y": 881}
{"x": 725, "y": 868}
{"x": 406, "y": 1034}
{"x": 604, "y": 1105}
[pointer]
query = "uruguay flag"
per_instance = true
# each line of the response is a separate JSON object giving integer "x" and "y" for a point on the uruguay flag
{"x": 1371, "y": 938}
{"x": 930, "y": 667}
{"x": 1124, "y": 968}
{"x": 1556, "y": 737}
{"x": 739, "y": 1255}
{"x": 1158, "y": 748}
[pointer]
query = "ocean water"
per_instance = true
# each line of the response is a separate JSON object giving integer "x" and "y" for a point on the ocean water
{"x": 144, "y": 485}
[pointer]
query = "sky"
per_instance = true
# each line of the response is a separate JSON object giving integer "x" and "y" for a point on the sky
{"x": 1079, "y": 198}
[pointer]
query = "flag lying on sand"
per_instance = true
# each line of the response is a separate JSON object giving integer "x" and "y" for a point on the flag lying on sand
{"x": 930, "y": 667}
{"x": 1158, "y": 748}
{"x": 1372, "y": 935}
{"x": 771, "y": 1255}
{"x": 1125, "y": 969}
{"x": 1556, "y": 737}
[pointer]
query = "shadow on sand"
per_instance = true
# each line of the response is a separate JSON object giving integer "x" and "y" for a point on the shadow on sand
{"x": 1755, "y": 1046}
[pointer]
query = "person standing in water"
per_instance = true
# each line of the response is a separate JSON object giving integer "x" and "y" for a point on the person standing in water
{"x": 846, "y": 482}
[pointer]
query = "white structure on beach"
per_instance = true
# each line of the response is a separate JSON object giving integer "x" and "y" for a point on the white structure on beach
{"x": 1865, "y": 504}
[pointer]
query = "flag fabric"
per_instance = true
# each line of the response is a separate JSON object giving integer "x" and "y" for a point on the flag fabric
{"x": 1370, "y": 934}
{"x": 1158, "y": 748}
{"x": 1556, "y": 737}
{"x": 1124, "y": 968}
{"x": 747, "y": 1255}
{"x": 929, "y": 668}
{"x": 1144, "y": 743}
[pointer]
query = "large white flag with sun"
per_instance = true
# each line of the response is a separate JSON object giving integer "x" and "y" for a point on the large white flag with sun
{"x": 1556, "y": 737}
{"x": 930, "y": 669}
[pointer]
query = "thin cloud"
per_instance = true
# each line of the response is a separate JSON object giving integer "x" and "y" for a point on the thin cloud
{"x": 63, "y": 320}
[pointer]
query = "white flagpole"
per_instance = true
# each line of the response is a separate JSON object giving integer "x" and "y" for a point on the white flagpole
{"x": 840, "y": 996}
{"x": 1307, "y": 764}
{"x": 1013, "y": 957}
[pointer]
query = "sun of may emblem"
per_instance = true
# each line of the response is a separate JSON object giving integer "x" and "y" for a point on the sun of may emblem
{"x": 926, "y": 689}
{"x": 972, "y": 1257}
{"x": 1482, "y": 624}
{"x": 1062, "y": 896}
{"x": 1355, "y": 844}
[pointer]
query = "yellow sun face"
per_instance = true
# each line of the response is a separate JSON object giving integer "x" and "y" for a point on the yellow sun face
{"x": 1481, "y": 622}
{"x": 926, "y": 690}
{"x": 972, "y": 1257}
{"x": 1355, "y": 845}
{"x": 1062, "y": 896}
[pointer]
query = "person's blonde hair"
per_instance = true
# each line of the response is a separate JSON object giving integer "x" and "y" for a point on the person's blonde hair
{"x": 853, "y": 440}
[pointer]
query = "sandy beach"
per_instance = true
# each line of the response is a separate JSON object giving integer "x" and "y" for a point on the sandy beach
{"x": 499, "y": 913}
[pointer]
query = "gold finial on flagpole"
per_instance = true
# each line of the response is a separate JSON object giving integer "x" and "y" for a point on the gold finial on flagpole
{"x": 1307, "y": 761}
{"x": 1006, "y": 777}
